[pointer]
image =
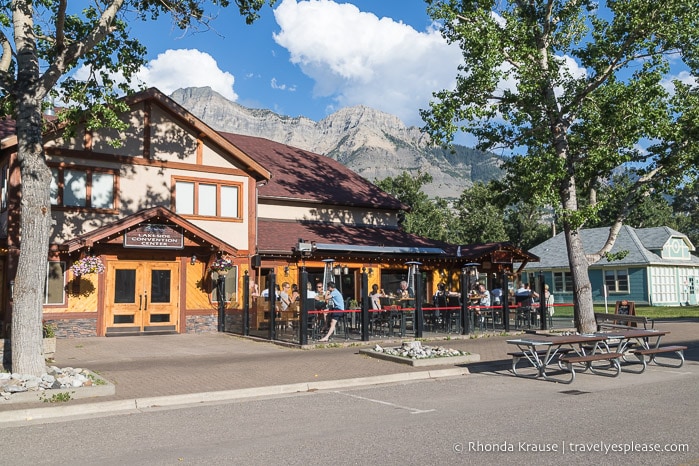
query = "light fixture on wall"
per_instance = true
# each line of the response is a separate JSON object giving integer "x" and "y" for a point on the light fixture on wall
{"x": 193, "y": 259}
{"x": 345, "y": 270}
{"x": 337, "y": 270}
{"x": 286, "y": 270}
{"x": 371, "y": 271}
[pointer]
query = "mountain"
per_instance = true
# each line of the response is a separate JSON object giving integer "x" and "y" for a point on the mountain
{"x": 374, "y": 144}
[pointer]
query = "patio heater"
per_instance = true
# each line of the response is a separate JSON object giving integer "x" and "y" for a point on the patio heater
{"x": 469, "y": 277}
{"x": 415, "y": 284}
{"x": 327, "y": 272}
{"x": 221, "y": 297}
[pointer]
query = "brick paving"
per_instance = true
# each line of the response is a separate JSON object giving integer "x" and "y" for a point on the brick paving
{"x": 148, "y": 366}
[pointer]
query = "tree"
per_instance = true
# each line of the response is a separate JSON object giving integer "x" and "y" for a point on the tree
{"x": 42, "y": 42}
{"x": 574, "y": 89}
{"x": 479, "y": 217}
{"x": 653, "y": 210}
{"x": 686, "y": 211}
{"x": 427, "y": 217}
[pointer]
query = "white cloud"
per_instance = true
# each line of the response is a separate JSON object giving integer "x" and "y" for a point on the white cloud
{"x": 281, "y": 87}
{"x": 685, "y": 77}
{"x": 357, "y": 58}
{"x": 175, "y": 69}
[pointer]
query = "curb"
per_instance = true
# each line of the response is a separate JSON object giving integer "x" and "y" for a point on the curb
{"x": 124, "y": 406}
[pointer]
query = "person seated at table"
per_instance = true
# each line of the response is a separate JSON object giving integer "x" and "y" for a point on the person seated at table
{"x": 524, "y": 293}
{"x": 310, "y": 293}
{"x": 524, "y": 298}
{"x": 319, "y": 296}
{"x": 295, "y": 293}
{"x": 285, "y": 297}
{"x": 335, "y": 303}
{"x": 440, "y": 296}
{"x": 404, "y": 292}
{"x": 483, "y": 303}
{"x": 375, "y": 296}
{"x": 496, "y": 295}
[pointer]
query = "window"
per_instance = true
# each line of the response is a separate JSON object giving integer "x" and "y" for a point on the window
{"x": 562, "y": 282}
{"x": 74, "y": 187}
{"x": 231, "y": 285}
{"x": 617, "y": 281}
{"x": 207, "y": 198}
{"x": 54, "y": 288}
{"x": 4, "y": 175}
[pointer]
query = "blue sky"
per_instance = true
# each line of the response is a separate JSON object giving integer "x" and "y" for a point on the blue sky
{"x": 313, "y": 57}
{"x": 309, "y": 58}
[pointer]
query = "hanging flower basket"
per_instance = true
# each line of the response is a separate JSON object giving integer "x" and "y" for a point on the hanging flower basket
{"x": 86, "y": 266}
{"x": 221, "y": 266}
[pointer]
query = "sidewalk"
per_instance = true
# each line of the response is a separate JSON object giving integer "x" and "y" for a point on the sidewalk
{"x": 179, "y": 369}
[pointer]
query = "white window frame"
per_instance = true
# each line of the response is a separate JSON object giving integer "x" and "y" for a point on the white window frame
{"x": 564, "y": 284}
{"x": 190, "y": 202}
{"x": 231, "y": 285}
{"x": 87, "y": 196}
{"x": 62, "y": 266}
{"x": 616, "y": 288}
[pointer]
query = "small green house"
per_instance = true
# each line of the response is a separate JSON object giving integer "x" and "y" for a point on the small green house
{"x": 659, "y": 268}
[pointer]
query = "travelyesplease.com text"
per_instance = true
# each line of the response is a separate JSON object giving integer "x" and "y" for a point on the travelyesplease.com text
{"x": 569, "y": 447}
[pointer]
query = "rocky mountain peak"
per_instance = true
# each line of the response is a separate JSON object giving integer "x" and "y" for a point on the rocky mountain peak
{"x": 373, "y": 143}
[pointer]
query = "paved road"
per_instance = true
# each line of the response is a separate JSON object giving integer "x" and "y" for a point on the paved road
{"x": 464, "y": 419}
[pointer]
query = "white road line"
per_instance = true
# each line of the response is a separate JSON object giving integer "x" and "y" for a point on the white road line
{"x": 407, "y": 408}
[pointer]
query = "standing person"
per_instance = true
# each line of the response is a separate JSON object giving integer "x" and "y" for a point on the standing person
{"x": 548, "y": 300}
{"x": 336, "y": 303}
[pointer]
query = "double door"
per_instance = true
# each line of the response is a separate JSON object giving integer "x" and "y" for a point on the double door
{"x": 142, "y": 297}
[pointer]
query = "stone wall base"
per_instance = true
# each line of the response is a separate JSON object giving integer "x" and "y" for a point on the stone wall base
{"x": 202, "y": 323}
{"x": 74, "y": 328}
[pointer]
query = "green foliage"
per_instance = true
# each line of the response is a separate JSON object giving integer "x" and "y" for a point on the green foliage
{"x": 568, "y": 129}
{"x": 49, "y": 330}
{"x": 479, "y": 218}
{"x": 43, "y": 44}
{"x": 427, "y": 217}
{"x": 61, "y": 397}
{"x": 686, "y": 211}
{"x": 645, "y": 210}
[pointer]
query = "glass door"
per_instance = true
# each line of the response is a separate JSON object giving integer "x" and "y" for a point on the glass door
{"x": 142, "y": 297}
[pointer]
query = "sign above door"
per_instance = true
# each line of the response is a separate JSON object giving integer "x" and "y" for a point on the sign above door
{"x": 153, "y": 236}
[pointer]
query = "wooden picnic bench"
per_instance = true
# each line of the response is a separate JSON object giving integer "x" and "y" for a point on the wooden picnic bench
{"x": 641, "y": 353}
{"x": 588, "y": 359}
{"x": 605, "y": 320}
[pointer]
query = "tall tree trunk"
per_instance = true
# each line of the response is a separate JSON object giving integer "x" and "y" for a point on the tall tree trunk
{"x": 35, "y": 204}
{"x": 584, "y": 312}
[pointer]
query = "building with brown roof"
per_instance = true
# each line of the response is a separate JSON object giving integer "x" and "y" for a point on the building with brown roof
{"x": 175, "y": 196}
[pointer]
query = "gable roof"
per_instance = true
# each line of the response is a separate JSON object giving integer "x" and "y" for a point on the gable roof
{"x": 657, "y": 237}
{"x": 203, "y": 131}
{"x": 157, "y": 213}
{"x": 305, "y": 176}
{"x": 553, "y": 252}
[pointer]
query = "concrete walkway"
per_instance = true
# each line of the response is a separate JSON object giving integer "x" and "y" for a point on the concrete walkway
{"x": 192, "y": 368}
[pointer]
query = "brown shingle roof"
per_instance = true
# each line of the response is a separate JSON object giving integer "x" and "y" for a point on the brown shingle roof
{"x": 280, "y": 236}
{"x": 303, "y": 175}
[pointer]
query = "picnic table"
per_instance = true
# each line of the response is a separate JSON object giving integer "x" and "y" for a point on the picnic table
{"x": 567, "y": 351}
{"x": 641, "y": 343}
{"x": 542, "y": 351}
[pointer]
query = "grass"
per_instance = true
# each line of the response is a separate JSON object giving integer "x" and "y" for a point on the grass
{"x": 653, "y": 312}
